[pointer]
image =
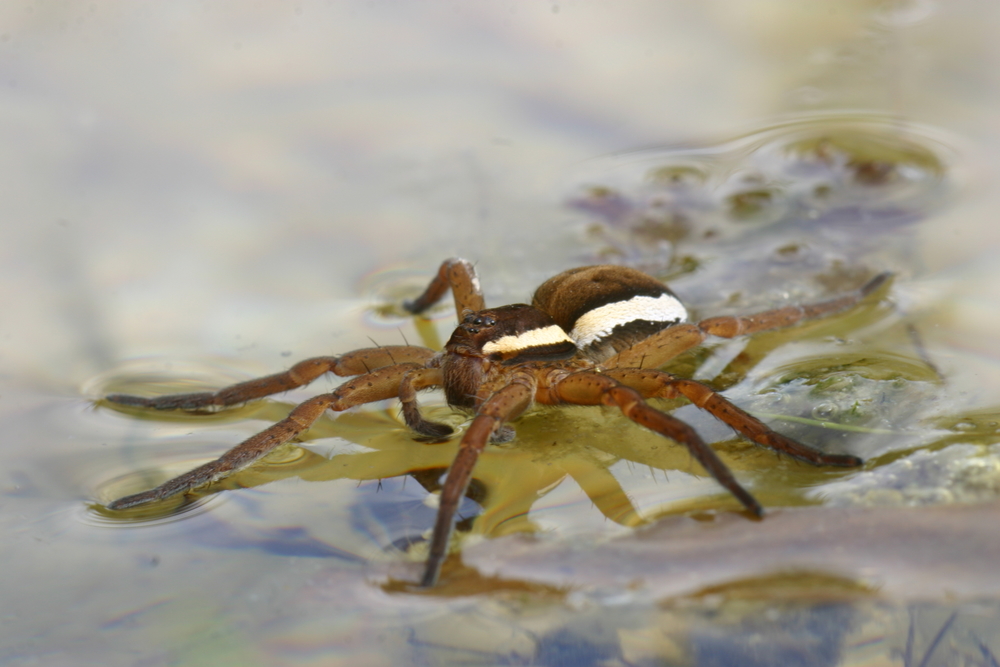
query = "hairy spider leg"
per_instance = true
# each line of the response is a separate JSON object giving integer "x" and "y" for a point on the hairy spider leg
{"x": 663, "y": 346}
{"x": 460, "y": 276}
{"x": 730, "y": 327}
{"x": 302, "y": 373}
{"x": 411, "y": 383}
{"x": 591, "y": 388}
{"x": 504, "y": 405}
{"x": 377, "y": 385}
{"x": 652, "y": 384}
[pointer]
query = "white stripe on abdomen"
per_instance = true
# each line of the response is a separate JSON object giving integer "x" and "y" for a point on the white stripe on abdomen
{"x": 600, "y": 322}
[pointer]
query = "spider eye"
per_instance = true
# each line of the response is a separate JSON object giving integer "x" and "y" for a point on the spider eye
{"x": 480, "y": 321}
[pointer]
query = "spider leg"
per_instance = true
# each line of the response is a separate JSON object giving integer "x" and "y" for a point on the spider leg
{"x": 731, "y": 327}
{"x": 302, "y": 373}
{"x": 380, "y": 384}
{"x": 408, "y": 387}
{"x": 664, "y": 345}
{"x": 657, "y": 383}
{"x": 460, "y": 276}
{"x": 589, "y": 388}
{"x": 504, "y": 405}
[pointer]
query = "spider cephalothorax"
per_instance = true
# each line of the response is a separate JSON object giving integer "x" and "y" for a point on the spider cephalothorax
{"x": 594, "y": 335}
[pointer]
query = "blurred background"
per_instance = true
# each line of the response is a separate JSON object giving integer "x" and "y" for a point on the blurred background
{"x": 197, "y": 193}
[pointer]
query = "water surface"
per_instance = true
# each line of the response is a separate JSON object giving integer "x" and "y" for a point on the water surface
{"x": 194, "y": 196}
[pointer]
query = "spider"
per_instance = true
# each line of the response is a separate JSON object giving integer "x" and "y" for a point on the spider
{"x": 594, "y": 335}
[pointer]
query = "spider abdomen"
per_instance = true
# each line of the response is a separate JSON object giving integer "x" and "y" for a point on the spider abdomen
{"x": 608, "y": 308}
